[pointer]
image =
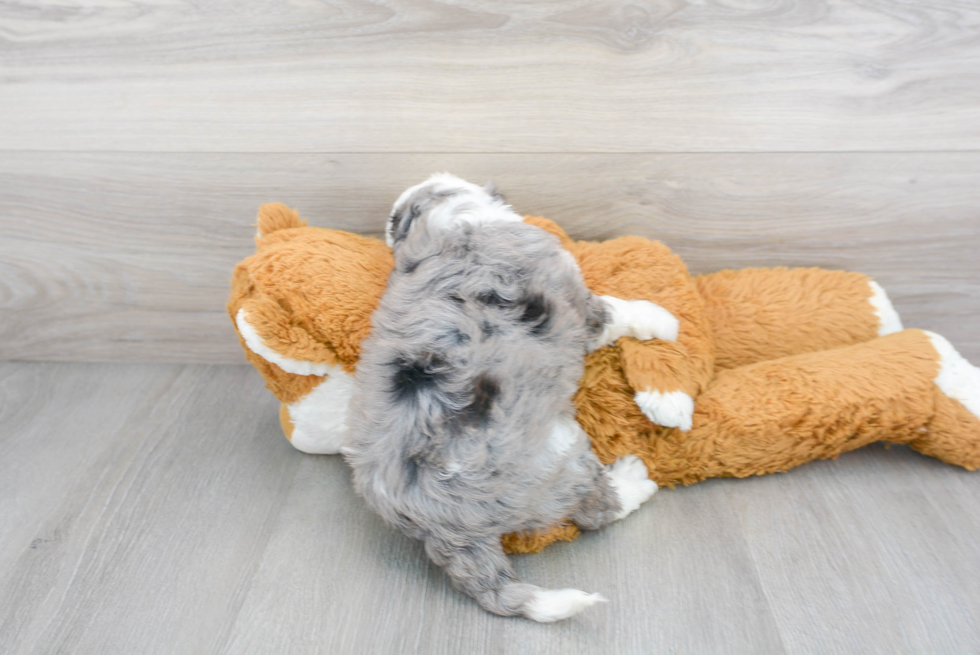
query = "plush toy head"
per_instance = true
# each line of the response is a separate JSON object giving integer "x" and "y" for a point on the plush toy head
{"x": 302, "y": 305}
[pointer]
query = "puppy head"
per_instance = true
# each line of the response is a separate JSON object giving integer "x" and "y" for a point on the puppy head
{"x": 442, "y": 201}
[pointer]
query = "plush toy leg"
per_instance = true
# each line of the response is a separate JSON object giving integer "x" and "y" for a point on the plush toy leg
{"x": 953, "y": 435}
{"x": 772, "y": 416}
{"x": 757, "y": 314}
{"x": 909, "y": 387}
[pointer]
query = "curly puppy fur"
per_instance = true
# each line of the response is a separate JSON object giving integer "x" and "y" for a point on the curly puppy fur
{"x": 462, "y": 425}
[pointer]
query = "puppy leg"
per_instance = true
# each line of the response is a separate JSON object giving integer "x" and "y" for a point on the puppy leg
{"x": 639, "y": 319}
{"x": 616, "y": 491}
{"x": 482, "y": 571}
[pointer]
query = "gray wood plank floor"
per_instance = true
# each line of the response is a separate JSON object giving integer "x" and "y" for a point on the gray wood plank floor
{"x": 152, "y": 508}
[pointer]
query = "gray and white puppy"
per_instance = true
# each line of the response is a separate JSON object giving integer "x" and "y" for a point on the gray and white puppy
{"x": 462, "y": 426}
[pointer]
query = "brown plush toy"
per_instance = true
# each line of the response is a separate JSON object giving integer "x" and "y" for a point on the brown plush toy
{"x": 771, "y": 368}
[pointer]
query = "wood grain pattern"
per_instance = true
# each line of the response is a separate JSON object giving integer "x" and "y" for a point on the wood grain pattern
{"x": 156, "y": 509}
{"x": 479, "y": 76}
{"x": 127, "y": 256}
{"x": 149, "y": 542}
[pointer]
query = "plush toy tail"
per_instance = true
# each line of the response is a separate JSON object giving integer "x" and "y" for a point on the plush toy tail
{"x": 277, "y": 216}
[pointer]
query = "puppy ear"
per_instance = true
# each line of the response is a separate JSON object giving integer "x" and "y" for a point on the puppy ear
{"x": 401, "y": 221}
{"x": 491, "y": 189}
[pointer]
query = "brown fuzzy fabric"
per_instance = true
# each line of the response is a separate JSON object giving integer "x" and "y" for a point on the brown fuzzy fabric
{"x": 309, "y": 293}
{"x": 764, "y": 313}
{"x": 784, "y": 364}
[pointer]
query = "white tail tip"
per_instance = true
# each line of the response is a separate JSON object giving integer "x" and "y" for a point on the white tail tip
{"x": 548, "y": 605}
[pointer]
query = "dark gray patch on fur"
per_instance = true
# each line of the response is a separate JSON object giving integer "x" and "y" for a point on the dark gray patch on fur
{"x": 487, "y": 330}
{"x": 415, "y": 375}
{"x": 537, "y": 313}
{"x": 492, "y": 298}
{"x": 485, "y": 392}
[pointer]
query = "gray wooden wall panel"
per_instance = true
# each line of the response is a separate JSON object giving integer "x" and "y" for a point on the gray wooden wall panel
{"x": 482, "y": 76}
{"x": 127, "y": 256}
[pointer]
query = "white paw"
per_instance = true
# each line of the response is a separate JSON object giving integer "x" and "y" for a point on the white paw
{"x": 549, "y": 605}
{"x": 671, "y": 409}
{"x": 628, "y": 476}
{"x": 958, "y": 378}
{"x": 638, "y": 319}
{"x": 888, "y": 320}
{"x": 650, "y": 321}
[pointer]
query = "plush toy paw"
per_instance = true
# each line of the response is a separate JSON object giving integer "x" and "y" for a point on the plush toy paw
{"x": 958, "y": 378}
{"x": 671, "y": 409}
{"x": 548, "y": 605}
{"x": 638, "y": 319}
{"x": 628, "y": 476}
{"x": 888, "y": 319}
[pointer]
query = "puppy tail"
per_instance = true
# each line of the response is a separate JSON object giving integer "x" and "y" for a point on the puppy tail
{"x": 482, "y": 571}
{"x": 276, "y": 216}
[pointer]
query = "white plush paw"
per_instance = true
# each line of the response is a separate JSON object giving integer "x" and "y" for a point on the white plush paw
{"x": 671, "y": 409}
{"x": 888, "y": 319}
{"x": 628, "y": 476}
{"x": 548, "y": 605}
{"x": 638, "y": 319}
{"x": 958, "y": 378}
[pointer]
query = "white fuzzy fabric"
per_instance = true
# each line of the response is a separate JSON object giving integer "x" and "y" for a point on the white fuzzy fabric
{"x": 257, "y": 346}
{"x": 958, "y": 378}
{"x": 628, "y": 476}
{"x": 548, "y": 605}
{"x": 671, "y": 409}
{"x": 320, "y": 418}
{"x": 638, "y": 319}
{"x": 888, "y": 319}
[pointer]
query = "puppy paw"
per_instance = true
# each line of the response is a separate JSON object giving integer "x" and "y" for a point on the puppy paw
{"x": 636, "y": 318}
{"x": 628, "y": 477}
{"x": 958, "y": 378}
{"x": 548, "y": 605}
{"x": 649, "y": 321}
{"x": 671, "y": 409}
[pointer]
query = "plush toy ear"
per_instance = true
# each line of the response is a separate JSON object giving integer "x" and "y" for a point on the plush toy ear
{"x": 276, "y": 216}
{"x": 270, "y": 333}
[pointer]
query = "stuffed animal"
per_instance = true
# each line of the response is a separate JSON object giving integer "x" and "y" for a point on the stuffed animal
{"x": 771, "y": 368}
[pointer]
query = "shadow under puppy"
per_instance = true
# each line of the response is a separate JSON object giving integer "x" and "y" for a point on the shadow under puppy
{"x": 462, "y": 424}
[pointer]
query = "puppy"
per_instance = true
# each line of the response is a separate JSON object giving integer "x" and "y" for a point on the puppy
{"x": 462, "y": 426}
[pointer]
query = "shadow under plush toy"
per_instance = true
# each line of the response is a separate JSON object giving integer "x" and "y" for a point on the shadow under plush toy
{"x": 772, "y": 368}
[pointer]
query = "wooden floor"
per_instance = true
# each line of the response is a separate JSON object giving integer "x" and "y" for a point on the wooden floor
{"x": 154, "y": 508}
{"x": 151, "y": 506}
